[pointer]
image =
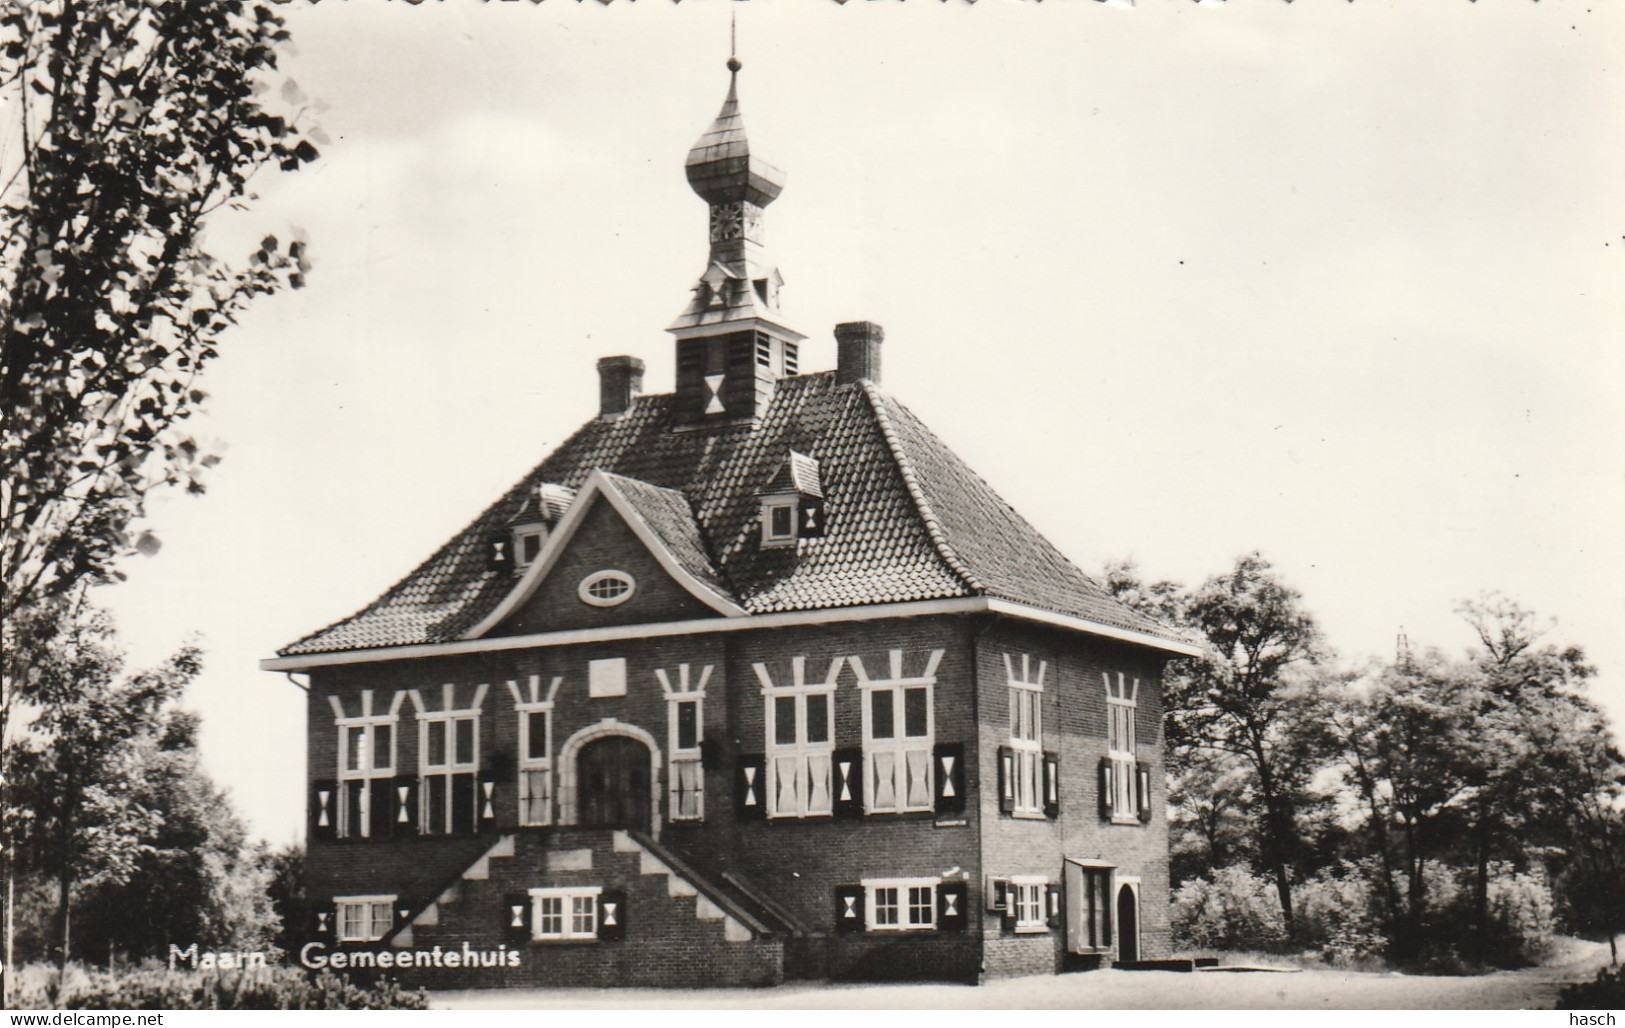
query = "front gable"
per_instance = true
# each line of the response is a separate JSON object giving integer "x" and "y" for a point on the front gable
{"x": 611, "y": 542}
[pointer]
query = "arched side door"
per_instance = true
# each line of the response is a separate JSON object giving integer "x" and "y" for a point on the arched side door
{"x": 1128, "y": 925}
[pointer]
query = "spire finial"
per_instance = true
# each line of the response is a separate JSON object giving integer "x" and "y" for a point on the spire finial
{"x": 733, "y": 41}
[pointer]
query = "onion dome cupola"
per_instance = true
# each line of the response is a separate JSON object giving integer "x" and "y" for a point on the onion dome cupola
{"x": 732, "y": 341}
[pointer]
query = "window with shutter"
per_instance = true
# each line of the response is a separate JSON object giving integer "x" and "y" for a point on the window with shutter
{"x": 685, "y": 740}
{"x": 1027, "y": 904}
{"x": 534, "y": 711}
{"x": 800, "y": 728}
{"x": 1026, "y": 681}
{"x": 1122, "y": 694}
{"x": 364, "y": 918}
{"x": 366, "y": 763}
{"x": 449, "y": 760}
{"x": 901, "y": 904}
{"x": 565, "y": 914}
{"x": 898, "y": 735}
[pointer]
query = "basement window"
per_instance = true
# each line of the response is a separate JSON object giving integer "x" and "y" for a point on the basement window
{"x": 364, "y": 918}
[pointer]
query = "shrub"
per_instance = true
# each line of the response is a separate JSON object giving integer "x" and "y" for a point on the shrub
{"x": 1338, "y": 912}
{"x": 1606, "y": 993}
{"x": 260, "y": 988}
{"x": 1233, "y": 910}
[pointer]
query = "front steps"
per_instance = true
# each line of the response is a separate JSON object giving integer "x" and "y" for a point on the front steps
{"x": 673, "y": 927}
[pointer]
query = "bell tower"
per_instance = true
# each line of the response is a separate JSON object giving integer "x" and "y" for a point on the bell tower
{"x": 732, "y": 342}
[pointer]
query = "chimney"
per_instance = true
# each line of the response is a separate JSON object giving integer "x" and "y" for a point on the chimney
{"x": 619, "y": 380}
{"x": 857, "y": 351}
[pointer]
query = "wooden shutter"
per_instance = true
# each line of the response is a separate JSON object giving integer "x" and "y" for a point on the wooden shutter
{"x": 950, "y": 758}
{"x": 952, "y": 910}
{"x": 750, "y": 787}
{"x": 381, "y": 804}
{"x": 611, "y": 915}
{"x": 324, "y": 922}
{"x": 848, "y": 781}
{"x": 849, "y": 909}
{"x": 486, "y": 799}
{"x": 404, "y": 804}
{"x": 496, "y": 553}
{"x": 1142, "y": 789}
{"x": 998, "y": 894}
{"x": 810, "y": 517}
{"x": 1052, "y": 785}
{"x": 1007, "y": 780}
{"x": 1054, "y": 909}
{"x": 516, "y": 918}
{"x": 1105, "y": 788}
{"x": 463, "y": 789}
{"x": 324, "y": 811}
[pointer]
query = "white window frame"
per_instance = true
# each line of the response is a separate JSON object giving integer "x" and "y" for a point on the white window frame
{"x": 584, "y": 590}
{"x": 567, "y": 897}
{"x": 535, "y": 769}
{"x": 809, "y": 760}
{"x": 443, "y": 720}
{"x": 1028, "y": 902}
{"x": 522, "y": 535}
{"x": 906, "y": 759}
{"x": 774, "y": 540}
{"x": 367, "y": 771}
{"x": 680, "y": 760}
{"x": 906, "y": 908}
{"x": 1026, "y": 734}
{"x": 370, "y": 906}
{"x": 1122, "y": 703}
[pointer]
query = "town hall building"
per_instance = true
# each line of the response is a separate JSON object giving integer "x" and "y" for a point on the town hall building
{"x": 749, "y": 680}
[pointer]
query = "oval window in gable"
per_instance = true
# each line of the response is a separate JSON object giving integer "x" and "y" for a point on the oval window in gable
{"x": 606, "y": 588}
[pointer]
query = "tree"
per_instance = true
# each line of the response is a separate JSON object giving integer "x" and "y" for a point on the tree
{"x": 1250, "y": 697}
{"x": 136, "y": 122}
{"x": 81, "y": 810}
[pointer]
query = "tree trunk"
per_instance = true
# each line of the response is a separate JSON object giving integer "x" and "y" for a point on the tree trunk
{"x": 64, "y": 891}
{"x": 1277, "y": 836}
{"x": 1479, "y": 940}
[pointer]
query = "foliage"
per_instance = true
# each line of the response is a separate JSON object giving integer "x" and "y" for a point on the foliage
{"x": 1234, "y": 909}
{"x": 286, "y": 891}
{"x": 1341, "y": 915}
{"x": 273, "y": 987}
{"x": 1606, "y": 992}
{"x": 136, "y": 121}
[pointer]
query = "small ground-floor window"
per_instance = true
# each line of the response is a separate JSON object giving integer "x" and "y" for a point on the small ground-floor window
{"x": 568, "y": 914}
{"x": 1027, "y": 903}
{"x": 902, "y": 904}
{"x": 364, "y": 918}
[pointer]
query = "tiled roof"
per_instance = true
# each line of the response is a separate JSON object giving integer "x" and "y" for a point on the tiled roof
{"x": 905, "y": 520}
{"x": 798, "y": 474}
{"x": 668, "y": 513}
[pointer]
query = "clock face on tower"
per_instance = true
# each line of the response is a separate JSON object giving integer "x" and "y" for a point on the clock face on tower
{"x": 737, "y": 220}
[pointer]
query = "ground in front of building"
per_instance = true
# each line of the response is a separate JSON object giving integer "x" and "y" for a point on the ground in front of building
{"x": 1532, "y": 988}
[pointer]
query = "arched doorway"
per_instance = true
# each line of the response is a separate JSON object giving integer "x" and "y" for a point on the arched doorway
{"x": 612, "y": 783}
{"x": 1128, "y": 925}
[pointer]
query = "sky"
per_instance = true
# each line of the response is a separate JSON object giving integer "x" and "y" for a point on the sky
{"x": 1339, "y": 282}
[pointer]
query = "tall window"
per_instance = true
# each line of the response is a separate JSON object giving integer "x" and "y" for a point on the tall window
{"x": 534, "y": 711}
{"x": 685, "y": 731}
{"x": 1026, "y": 732}
{"x": 898, "y": 734}
{"x": 800, "y": 741}
{"x": 1121, "y": 701}
{"x": 902, "y": 904}
{"x": 364, "y": 918}
{"x": 366, "y": 763}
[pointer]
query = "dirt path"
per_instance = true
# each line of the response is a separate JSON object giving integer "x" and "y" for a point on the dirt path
{"x": 1534, "y": 988}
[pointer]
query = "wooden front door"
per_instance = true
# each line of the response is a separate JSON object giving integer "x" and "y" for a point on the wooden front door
{"x": 612, "y": 782}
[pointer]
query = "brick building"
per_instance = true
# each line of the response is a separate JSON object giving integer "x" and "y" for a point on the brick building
{"x": 750, "y": 680}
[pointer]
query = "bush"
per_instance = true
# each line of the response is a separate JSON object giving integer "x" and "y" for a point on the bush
{"x": 1606, "y": 993}
{"x": 260, "y": 988}
{"x": 1338, "y": 912}
{"x": 1234, "y": 910}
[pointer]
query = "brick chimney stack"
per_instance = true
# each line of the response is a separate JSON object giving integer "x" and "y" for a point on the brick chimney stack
{"x": 857, "y": 354}
{"x": 619, "y": 380}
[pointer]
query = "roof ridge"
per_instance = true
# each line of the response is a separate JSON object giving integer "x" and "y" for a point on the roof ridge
{"x": 922, "y": 504}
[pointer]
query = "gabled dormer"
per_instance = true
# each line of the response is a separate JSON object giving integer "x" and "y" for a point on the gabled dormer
{"x": 528, "y": 529}
{"x": 792, "y": 503}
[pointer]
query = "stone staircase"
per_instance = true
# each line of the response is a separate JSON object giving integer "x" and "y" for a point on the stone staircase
{"x": 671, "y": 923}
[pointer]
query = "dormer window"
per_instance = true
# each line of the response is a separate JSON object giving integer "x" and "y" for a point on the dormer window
{"x": 792, "y": 503}
{"x": 528, "y": 528}
{"x": 530, "y": 547}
